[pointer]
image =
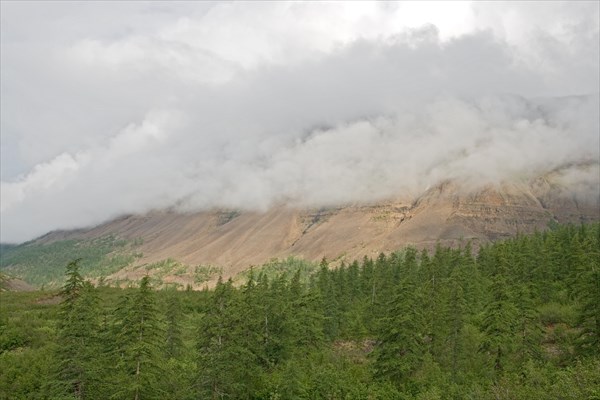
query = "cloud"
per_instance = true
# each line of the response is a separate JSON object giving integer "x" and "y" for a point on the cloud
{"x": 246, "y": 106}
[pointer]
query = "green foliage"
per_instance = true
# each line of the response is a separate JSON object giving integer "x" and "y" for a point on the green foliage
{"x": 555, "y": 313}
{"x": 77, "y": 329}
{"x": 226, "y": 216}
{"x": 6, "y": 248}
{"x": 226, "y": 363}
{"x": 285, "y": 268}
{"x": 586, "y": 287}
{"x": 139, "y": 339}
{"x": 517, "y": 321}
{"x": 3, "y": 282}
{"x": 173, "y": 334}
{"x": 203, "y": 273}
{"x": 42, "y": 264}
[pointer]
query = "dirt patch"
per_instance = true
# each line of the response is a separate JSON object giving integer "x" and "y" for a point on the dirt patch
{"x": 49, "y": 300}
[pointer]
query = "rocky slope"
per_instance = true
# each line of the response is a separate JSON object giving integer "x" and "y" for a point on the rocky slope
{"x": 447, "y": 213}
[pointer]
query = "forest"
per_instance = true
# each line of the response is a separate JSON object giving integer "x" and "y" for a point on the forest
{"x": 516, "y": 319}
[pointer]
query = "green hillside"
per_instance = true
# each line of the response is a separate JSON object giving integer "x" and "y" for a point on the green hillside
{"x": 43, "y": 264}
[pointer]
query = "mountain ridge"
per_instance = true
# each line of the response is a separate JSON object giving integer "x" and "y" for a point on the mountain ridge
{"x": 449, "y": 213}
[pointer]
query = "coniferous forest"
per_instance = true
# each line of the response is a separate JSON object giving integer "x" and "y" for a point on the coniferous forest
{"x": 518, "y": 319}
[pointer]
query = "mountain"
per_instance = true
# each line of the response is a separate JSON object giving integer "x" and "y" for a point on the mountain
{"x": 228, "y": 242}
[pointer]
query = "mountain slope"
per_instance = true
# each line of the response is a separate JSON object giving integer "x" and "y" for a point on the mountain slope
{"x": 447, "y": 213}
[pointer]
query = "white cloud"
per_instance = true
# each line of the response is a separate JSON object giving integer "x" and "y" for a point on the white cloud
{"x": 53, "y": 174}
{"x": 245, "y": 105}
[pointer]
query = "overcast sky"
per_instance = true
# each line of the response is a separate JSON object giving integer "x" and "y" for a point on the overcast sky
{"x": 110, "y": 108}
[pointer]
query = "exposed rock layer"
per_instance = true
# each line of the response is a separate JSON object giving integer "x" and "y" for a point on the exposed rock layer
{"x": 446, "y": 214}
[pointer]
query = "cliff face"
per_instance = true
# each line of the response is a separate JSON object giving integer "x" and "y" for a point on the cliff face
{"x": 448, "y": 214}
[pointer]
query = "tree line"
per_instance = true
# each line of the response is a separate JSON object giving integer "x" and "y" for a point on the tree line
{"x": 518, "y": 320}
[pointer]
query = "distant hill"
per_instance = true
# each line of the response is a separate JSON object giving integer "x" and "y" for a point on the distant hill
{"x": 5, "y": 248}
{"x": 15, "y": 285}
{"x": 195, "y": 248}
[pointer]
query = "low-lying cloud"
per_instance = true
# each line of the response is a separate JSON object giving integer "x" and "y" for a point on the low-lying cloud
{"x": 175, "y": 112}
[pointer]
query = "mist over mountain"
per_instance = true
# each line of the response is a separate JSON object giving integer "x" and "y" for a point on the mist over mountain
{"x": 249, "y": 107}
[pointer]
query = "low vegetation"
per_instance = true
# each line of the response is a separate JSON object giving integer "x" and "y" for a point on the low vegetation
{"x": 280, "y": 269}
{"x": 43, "y": 264}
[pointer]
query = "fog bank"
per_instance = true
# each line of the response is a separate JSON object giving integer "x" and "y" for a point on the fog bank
{"x": 245, "y": 106}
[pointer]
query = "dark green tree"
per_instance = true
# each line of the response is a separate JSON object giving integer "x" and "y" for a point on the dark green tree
{"x": 400, "y": 348}
{"x": 587, "y": 290}
{"x": 499, "y": 317}
{"x": 77, "y": 329}
{"x": 173, "y": 332}
{"x": 227, "y": 367}
{"x": 139, "y": 346}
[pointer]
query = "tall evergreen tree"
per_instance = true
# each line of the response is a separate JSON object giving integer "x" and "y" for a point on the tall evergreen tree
{"x": 227, "y": 367}
{"x": 587, "y": 291}
{"x": 499, "y": 316}
{"x": 455, "y": 315}
{"x": 72, "y": 288}
{"x": 173, "y": 333}
{"x": 77, "y": 333}
{"x": 304, "y": 316}
{"x": 400, "y": 349}
{"x": 140, "y": 339}
{"x": 330, "y": 301}
{"x": 528, "y": 330}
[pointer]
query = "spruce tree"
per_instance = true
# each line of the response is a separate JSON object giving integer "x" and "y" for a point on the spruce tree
{"x": 400, "y": 349}
{"x": 77, "y": 330}
{"x": 587, "y": 291}
{"x": 139, "y": 348}
{"x": 173, "y": 332}
{"x": 499, "y": 316}
{"x": 227, "y": 367}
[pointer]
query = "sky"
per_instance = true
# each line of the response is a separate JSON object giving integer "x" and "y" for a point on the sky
{"x": 113, "y": 108}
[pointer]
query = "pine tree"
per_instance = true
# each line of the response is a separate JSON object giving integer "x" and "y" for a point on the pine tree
{"x": 140, "y": 338}
{"x": 329, "y": 299}
{"x": 173, "y": 334}
{"x": 455, "y": 319}
{"x": 587, "y": 291}
{"x": 400, "y": 349}
{"x": 431, "y": 280}
{"x": 71, "y": 290}
{"x": 77, "y": 333}
{"x": 529, "y": 331}
{"x": 227, "y": 367}
{"x": 305, "y": 320}
{"x": 499, "y": 317}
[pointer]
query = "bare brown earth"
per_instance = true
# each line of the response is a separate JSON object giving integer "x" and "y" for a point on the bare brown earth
{"x": 444, "y": 214}
{"x": 17, "y": 285}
